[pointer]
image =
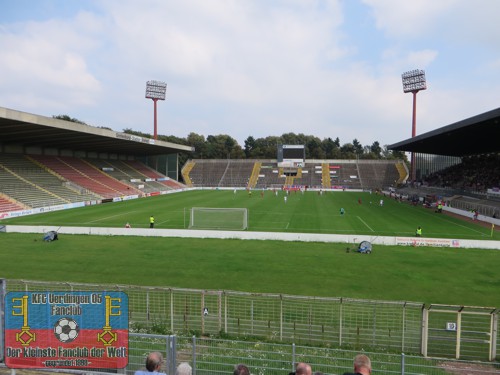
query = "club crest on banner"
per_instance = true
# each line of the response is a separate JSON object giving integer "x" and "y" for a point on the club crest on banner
{"x": 66, "y": 329}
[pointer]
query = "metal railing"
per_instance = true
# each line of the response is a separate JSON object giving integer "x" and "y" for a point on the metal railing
{"x": 338, "y": 322}
{"x": 209, "y": 356}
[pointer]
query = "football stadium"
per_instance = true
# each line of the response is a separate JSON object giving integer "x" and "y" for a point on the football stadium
{"x": 115, "y": 245}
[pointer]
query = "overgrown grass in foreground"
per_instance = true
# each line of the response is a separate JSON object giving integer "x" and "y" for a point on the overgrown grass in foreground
{"x": 431, "y": 275}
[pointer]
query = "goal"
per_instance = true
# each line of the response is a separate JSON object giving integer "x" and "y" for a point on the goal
{"x": 218, "y": 218}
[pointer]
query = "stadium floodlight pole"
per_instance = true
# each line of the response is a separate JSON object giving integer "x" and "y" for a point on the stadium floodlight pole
{"x": 155, "y": 90}
{"x": 414, "y": 81}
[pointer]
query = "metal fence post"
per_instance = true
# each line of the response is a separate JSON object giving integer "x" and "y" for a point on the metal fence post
{"x": 340, "y": 322}
{"x": 403, "y": 328}
{"x": 194, "y": 355}
{"x": 281, "y": 317}
{"x": 225, "y": 312}
{"x": 202, "y": 315}
{"x": 2, "y": 316}
{"x": 493, "y": 334}
{"x": 171, "y": 310}
{"x": 173, "y": 354}
{"x": 425, "y": 330}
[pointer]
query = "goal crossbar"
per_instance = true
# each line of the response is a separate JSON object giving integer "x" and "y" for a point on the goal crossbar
{"x": 218, "y": 218}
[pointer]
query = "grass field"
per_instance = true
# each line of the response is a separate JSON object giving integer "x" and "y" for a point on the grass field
{"x": 431, "y": 275}
{"x": 307, "y": 213}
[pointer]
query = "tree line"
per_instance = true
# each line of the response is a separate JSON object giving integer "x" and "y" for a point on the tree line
{"x": 223, "y": 146}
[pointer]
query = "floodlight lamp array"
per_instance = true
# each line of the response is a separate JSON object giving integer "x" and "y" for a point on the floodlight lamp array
{"x": 156, "y": 90}
{"x": 414, "y": 81}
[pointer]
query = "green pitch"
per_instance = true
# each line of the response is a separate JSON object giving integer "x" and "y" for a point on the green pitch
{"x": 305, "y": 213}
{"x": 431, "y": 275}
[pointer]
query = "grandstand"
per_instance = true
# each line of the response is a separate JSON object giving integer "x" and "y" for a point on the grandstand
{"x": 318, "y": 174}
{"x": 458, "y": 163}
{"x": 42, "y": 163}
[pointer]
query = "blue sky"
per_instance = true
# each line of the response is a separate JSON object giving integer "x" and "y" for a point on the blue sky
{"x": 259, "y": 68}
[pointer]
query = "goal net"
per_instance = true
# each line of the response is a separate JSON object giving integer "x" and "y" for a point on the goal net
{"x": 218, "y": 218}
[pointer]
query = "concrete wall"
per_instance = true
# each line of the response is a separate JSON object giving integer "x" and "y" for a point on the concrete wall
{"x": 351, "y": 241}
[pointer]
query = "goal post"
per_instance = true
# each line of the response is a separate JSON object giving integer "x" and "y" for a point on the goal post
{"x": 218, "y": 218}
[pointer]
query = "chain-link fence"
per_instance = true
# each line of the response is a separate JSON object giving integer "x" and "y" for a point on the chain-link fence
{"x": 333, "y": 322}
{"x": 218, "y": 356}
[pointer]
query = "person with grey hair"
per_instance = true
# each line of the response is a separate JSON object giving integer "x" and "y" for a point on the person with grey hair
{"x": 184, "y": 369}
{"x": 362, "y": 365}
{"x": 154, "y": 360}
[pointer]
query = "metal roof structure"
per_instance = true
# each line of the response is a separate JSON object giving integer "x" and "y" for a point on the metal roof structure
{"x": 39, "y": 131}
{"x": 476, "y": 135}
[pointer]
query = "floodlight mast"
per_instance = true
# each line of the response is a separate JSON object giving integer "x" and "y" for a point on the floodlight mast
{"x": 414, "y": 81}
{"x": 155, "y": 90}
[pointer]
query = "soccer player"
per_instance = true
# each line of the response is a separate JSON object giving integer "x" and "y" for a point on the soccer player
{"x": 342, "y": 211}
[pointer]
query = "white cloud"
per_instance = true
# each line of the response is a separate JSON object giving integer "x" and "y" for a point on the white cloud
{"x": 403, "y": 19}
{"x": 251, "y": 68}
{"x": 421, "y": 58}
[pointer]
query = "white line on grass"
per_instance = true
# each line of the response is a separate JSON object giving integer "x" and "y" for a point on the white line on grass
{"x": 109, "y": 217}
{"x": 365, "y": 223}
{"x": 463, "y": 226}
{"x": 287, "y": 224}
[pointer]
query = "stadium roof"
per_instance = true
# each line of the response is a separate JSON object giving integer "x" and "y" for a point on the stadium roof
{"x": 39, "y": 131}
{"x": 473, "y": 136}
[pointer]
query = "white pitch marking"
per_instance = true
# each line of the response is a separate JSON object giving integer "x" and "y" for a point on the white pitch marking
{"x": 365, "y": 223}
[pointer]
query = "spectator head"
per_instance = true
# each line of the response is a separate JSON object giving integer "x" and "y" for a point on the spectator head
{"x": 184, "y": 369}
{"x": 154, "y": 361}
{"x": 303, "y": 369}
{"x": 241, "y": 370}
{"x": 362, "y": 364}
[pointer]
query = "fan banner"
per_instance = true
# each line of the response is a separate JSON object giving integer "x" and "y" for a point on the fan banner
{"x": 75, "y": 330}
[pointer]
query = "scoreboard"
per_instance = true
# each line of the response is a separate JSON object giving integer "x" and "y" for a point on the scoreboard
{"x": 291, "y": 156}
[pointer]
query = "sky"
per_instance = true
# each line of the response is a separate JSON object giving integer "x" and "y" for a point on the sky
{"x": 252, "y": 67}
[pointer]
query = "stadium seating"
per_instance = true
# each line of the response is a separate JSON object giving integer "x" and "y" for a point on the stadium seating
{"x": 348, "y": 174}
{"x": 28, "y": 183}
{"x": 7, "y": 204}
{"x": 131, "y": 173}
{"x": 475, "y": 173}
{"x": 86, "y": 175}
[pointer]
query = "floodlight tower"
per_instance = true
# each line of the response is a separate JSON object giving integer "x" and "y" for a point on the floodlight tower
{"x": 414, "y": 81}
{"x": 155, "y": 90}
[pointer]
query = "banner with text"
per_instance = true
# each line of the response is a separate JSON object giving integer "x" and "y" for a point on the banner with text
{"x": 66, "y": 329}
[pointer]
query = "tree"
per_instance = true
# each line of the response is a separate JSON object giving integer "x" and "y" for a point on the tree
{"x": 376, "y": 149}
{"x": 68, "y": 118}
{"x": 249, "y": 146}
{"x": 222, "y": 146}
{"x": 199, "y": 143}
{"x": 314, "y": 149}
{"x": 358, "y": 147}
{"x": 348, "y": 151}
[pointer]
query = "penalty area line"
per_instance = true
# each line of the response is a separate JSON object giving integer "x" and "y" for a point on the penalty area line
{"x": 365, "y": 223}
{"x": 109, "y": 217}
